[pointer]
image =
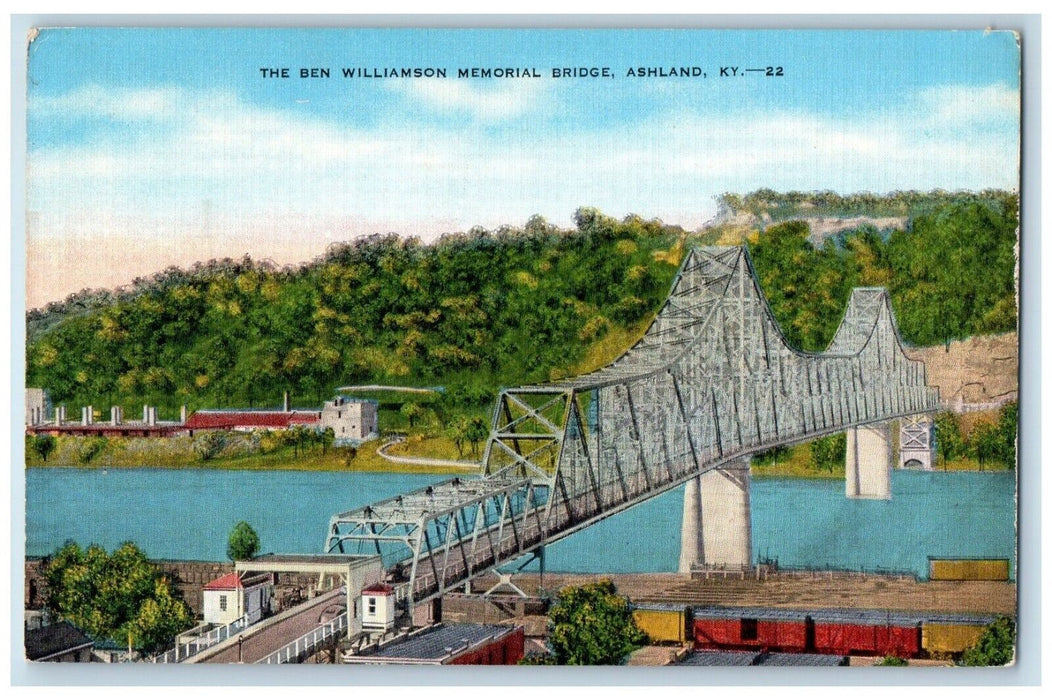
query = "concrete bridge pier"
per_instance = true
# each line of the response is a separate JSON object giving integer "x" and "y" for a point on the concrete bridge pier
{"x": 867, "y": 467}
{"x": 717, "y": 519}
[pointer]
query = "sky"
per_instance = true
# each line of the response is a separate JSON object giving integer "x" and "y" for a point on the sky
{"x": 153, "y": 147}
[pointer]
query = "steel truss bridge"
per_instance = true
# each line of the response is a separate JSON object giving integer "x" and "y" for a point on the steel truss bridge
{"x": 711, "y": 381}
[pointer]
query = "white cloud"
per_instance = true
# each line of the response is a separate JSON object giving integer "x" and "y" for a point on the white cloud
{"x": 966, "y": 104}
{"x": 226, "y": 168}
{"x": 94, "y": 101}
{"x": 507, "y": 98}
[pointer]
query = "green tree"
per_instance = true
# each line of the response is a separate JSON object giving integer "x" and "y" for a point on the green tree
{"x": 892, "y": 661}
{"x": 948, "y": 440}
{"x": 160, "y": 618}
{"x": 996, "y": 646}
{"x": 119, "y": 596}
{"x": 592, "y": 625}
{"x": 243, "y": 542}
{"x": 299, "y": 436}
{"x": 411, "y": 412}
{"x": 828, "y": 452}
{"x": 457, "y": 431}
{"x": 208, "y": 445}
{"x": 43, "y": 445}
{"x": 326, "y": 438}
{"x": 984, "y": 442}
{"x": 91, "y": 448}
{"x": 477, "y": 432}
{"x": 1007, "y": 432}
{"x": 771, "y": 456}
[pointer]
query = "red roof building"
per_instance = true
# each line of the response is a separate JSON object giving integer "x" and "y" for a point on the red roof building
{"x": 229, "y": 582}
{"x": 250, "y": 420}
{"x": 380, "y": 588}
{"x": 230, "y": 597}
{"x": 449, "y": 644}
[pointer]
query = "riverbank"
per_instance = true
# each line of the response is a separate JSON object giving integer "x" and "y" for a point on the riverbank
{"x": 798, "y": 462}
{"x": 246, "y": 453}
{"x": 252, "y": 452}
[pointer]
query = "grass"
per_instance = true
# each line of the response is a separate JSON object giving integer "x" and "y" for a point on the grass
{"x": 608, "y": 348}
{"x": 797, "y": 463}
{"x": 178, "y": 453}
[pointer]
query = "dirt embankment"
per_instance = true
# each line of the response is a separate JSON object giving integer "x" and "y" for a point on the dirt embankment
{"x": 979, "y": 370}
{"x": 820, "y": 590}
{"x": 736, "y": 226}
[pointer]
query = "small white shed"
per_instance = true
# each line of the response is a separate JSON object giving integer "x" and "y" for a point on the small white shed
{"x": 229, "y": 597}
{"x": 378, "y": 606}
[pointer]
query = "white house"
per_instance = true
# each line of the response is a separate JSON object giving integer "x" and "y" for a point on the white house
{"x": 378, "y": 606}
{"x": 229, "y": 597}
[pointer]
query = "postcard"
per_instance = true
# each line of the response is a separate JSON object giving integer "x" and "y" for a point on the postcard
{"x": 434, "y": 346}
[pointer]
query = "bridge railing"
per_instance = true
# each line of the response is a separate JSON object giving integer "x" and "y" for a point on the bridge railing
{"x": 298, "y": 649}
{"x": 183, "y": 651}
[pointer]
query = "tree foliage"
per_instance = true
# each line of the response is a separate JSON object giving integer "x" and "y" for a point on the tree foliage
{"x": 892, "y": 661}
{"x": 91, "y": 448}
{"x": 209, "y": 444}
{"x": 950, "y": 273}
{"x": 119, "y": 596}
{"x": 829, "y": 452}
{"x": 591, "y": 625}
{"x": 996, "y": 646}
{"x": 243, "y": 542}
{"x": 475, "y": 310}
{"x": 948, "y": 440}
{"x": 457, "y": 428}
{"x": 987, "y": 441}
{"x": 1007, "y": 434}
{"x": 478, "y": 310}
{"x": 411, "y": 412}
{"x": 43, "y": 445}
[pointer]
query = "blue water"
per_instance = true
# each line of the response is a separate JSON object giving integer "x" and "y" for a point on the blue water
{"x": 188, "y": 514}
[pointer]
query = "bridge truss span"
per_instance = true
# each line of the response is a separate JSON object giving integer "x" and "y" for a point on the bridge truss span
{"x": 712, "y": 380}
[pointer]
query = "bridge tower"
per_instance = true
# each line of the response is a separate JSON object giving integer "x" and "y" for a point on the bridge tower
{"x": 717, "y": 519}
{"x": 867, "y": 468}
{"x": 917, "y": 443}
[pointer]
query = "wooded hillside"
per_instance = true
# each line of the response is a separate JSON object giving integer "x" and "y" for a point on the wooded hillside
{"x": 473, "y": 312}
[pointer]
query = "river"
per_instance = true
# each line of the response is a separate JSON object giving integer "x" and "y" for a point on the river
{"x": 187, "y": 514}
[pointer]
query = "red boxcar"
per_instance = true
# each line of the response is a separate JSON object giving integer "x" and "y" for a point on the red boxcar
{"x": 868, "y": 637}
{"x": 506, "y": 651}
{"x": 750, "y": 629}
{"x": 839, "y": 632}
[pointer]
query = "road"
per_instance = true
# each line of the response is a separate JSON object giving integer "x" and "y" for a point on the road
{"x": 277, "y": 634}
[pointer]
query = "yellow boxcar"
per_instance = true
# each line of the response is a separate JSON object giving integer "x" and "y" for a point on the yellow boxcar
{"x": 944, "y": 637}
{"x": 968, "y": 569}
{"x": 662, "y": 625}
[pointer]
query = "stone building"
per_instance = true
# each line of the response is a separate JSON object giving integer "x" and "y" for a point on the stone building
{"x": 38, "y": 406}
{"x": 352, "y": 420}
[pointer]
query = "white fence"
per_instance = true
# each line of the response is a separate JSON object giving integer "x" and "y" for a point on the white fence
{"x": 198, "y": 644}
{"x": 961, "y": 407}
{"x": 308, "y": 644}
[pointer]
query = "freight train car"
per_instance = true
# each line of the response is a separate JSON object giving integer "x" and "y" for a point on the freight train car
{"x": 968, "y": 569}
{"x": 664, "y": 624}
{"x": 952, "y": 634}
{"x": 831, "y": 631}
{"x": 866, "y": 633}
{"x": 750, "y": 628}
